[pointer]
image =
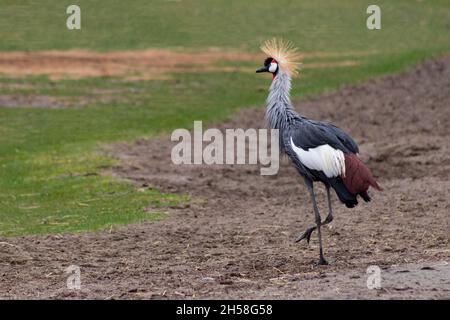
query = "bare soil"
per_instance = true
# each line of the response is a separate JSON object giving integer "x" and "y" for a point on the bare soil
{"x": 235, "y": 239}
{"x": 95, "y": 97}
{"x": 152, "y": 64}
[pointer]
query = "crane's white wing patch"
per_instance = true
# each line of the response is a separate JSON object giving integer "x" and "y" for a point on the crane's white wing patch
{"x": 322, "y": 158}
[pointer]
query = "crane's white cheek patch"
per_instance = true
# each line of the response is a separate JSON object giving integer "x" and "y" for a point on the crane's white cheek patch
{"x": 273, "y": 67}
{"x": 322, "y": 158}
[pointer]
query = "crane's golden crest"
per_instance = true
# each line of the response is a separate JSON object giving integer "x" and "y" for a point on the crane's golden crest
{"x": 284, "y": 53}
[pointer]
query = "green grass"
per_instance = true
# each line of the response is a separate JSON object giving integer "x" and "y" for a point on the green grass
{"x": 51, "y": 163}
{"x": 320, "y": 25}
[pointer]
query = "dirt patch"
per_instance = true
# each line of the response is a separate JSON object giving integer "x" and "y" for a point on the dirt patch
{"x": 235, "y": 238}
{"x": 52, "y": 102}
{"x": 153, "y": 64}
{"x": 92, "y": 97}
{"x": 32, "y": 101}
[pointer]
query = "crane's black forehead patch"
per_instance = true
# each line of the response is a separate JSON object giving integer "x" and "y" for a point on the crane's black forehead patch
{"x": 268, "y": 61}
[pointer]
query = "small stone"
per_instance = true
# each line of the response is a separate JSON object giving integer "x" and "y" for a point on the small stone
{"x": 207, "y": 279}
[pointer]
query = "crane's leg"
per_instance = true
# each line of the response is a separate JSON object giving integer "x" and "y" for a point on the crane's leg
{"x": 307, "y": 234}
{"x": 322, "y": 260}
{"x": 329, "y": 217}
{"x": 310, "y": 186}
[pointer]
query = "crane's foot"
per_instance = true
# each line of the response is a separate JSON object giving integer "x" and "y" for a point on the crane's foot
{"x": 322, "y": 262}
{"x": 307, "y": 234}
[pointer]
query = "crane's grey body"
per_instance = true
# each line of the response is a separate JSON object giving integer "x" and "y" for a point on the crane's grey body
{"x": 306, "y": 134}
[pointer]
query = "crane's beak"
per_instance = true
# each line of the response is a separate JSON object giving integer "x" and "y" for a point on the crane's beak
{"x": 263, "y": 69}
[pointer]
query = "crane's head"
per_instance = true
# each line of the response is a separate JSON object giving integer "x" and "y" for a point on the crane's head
{"x": 270, "y": 65}
{"x": 282, "y": 57}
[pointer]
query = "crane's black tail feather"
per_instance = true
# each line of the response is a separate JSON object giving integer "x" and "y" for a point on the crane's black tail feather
{"x": 343, "y": 194}
{"x": 365, "y": 196}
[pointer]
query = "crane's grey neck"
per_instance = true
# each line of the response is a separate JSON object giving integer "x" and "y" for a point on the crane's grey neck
{"x": 279, "y": 108}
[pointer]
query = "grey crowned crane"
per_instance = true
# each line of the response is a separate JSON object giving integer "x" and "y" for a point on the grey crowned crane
{"x": 320, "y": 151}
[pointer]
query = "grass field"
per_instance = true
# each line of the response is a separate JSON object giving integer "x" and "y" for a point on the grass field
{"x": 52, "y": 160}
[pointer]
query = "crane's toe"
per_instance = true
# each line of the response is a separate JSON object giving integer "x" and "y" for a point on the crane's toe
{"x": 307, "y": 234}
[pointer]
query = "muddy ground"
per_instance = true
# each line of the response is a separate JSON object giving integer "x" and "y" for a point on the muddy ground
{"x": 235, "y": 239}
